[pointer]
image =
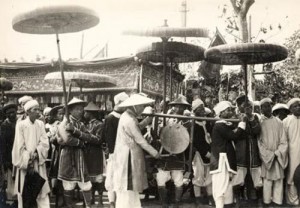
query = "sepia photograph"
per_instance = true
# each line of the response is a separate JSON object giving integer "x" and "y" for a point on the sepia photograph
{"x": 149, "y": 104}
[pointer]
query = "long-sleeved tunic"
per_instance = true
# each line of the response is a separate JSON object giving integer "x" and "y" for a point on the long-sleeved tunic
{"x": 222, "y": 142}
{"x": 72, "y": 163}
{"x": 7, "y": 140}
{"x": 291, "y": 125}
{"x": 273, "y": 148}
{"x": 93, "y": 151}
{"x": 30, "y": 138}
{"x": 129, "y": 162}
{"x": 110, "y": 130}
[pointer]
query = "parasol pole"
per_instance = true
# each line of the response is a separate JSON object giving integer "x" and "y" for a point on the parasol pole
{"x": 81, "y": 96}
{"x": 2, "y": 95}
{"x": 246, "y": 80}
{"x": 62, "y": 77}
{"x": 69, "y": 92}
{"x": 191, "y": 146}
{"x": 164, "y": 40}
{"x": 171, "y": 80}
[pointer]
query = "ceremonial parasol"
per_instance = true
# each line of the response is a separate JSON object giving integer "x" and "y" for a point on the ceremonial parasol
{"x": 178, "y": 52}
{"x": 55, "y": 20}
{"x": 165, "y": 33}
{"x": 246, "y": 53}
{"x": 175, "y": 52}
{"x": 82, "y": 79}
{"x": 5, "y": 85}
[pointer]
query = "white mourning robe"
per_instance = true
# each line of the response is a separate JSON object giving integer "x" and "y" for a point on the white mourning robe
{"x": 291, "y": 126}
{"x": 273, "y": 148}
{"x": 30, "y": 137}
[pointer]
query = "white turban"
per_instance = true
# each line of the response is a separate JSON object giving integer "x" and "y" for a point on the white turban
{"x": 265, "y": 100}
{"x": 292, "y": 101}
{"x": 221, "y": 106}
{"x": 280, "y": 106}
{"x": 196, "y": 103}
{"x": 30, "y": 104}
{"x": 119, "y": 98}
{"x": 47, "y": 111}
{"x": 207, "y": 111}
{"x": 24, "y": 99}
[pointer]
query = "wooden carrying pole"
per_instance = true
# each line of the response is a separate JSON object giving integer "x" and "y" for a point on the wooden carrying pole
{"x": 189, "y": 117}
{"x": 192, "y": 118}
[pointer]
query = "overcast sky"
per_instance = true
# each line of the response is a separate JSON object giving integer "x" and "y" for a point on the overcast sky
{"x": 117, "y": 15}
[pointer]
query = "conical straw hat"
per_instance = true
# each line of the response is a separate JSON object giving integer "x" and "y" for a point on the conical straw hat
{"x": 136, "y": 99}
{"x": 76, "y": 101}
{"x": 92, "y": 107}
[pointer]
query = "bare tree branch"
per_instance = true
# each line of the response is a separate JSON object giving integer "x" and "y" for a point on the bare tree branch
{"x": 243, "y": 9}
{"x": 235, "y": 8}
{"x": 246, "y": 4}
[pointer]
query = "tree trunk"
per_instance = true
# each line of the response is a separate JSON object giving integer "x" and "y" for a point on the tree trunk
{"x": 243, "y": 25}
{"x": 241, "y": 9}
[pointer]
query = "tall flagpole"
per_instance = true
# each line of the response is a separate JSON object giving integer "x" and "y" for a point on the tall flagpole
{"x": 81, "y": 47}
{"x": 184, "y": 15}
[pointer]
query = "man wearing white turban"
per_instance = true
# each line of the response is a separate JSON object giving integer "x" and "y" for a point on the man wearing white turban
{"x": 201, "y": 159}
{"x": 30, "y": 152}
{"x": 273, "y": 147}
{"x": 280, "y": 110}
{"x": 291, "y": 125}
{"x": 223, "y": 159}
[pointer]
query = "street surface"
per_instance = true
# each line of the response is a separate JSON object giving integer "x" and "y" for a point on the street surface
{"x": 152, "y": 203}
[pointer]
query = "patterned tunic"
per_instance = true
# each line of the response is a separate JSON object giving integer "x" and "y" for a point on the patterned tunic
{"x": 72, "y": 164}
{"x": 93, "y": 151}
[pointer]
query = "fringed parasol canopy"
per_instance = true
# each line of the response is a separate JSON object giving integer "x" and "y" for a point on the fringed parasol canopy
{"x": 55, "y": 19}
{"x": 83, "y": 79}
{"x": 165, "y": 32}
{"x": 177, "y": 52}
{"x": 246, "y": 53}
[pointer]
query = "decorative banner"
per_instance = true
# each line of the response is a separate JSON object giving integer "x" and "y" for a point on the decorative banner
{"x": 124, "y": 72}
{"x": 153, "y": 80}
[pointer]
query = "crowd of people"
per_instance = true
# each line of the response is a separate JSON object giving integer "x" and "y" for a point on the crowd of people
{"x": 251, "y": 151}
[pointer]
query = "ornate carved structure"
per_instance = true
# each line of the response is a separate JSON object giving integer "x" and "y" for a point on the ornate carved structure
{"x": 130, "y": 75}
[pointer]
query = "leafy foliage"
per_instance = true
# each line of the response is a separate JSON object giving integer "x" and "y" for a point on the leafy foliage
{"x": 284, "y": 82}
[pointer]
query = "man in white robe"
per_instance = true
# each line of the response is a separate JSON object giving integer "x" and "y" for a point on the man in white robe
{"x": 273, "y": 148}
{"x": 110, "y": 134}
{"x": 223, "y": 158}
{"x": 30, "y": 151}
{"x": 129, "y": 176}
{"x": 291, "y": 126}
